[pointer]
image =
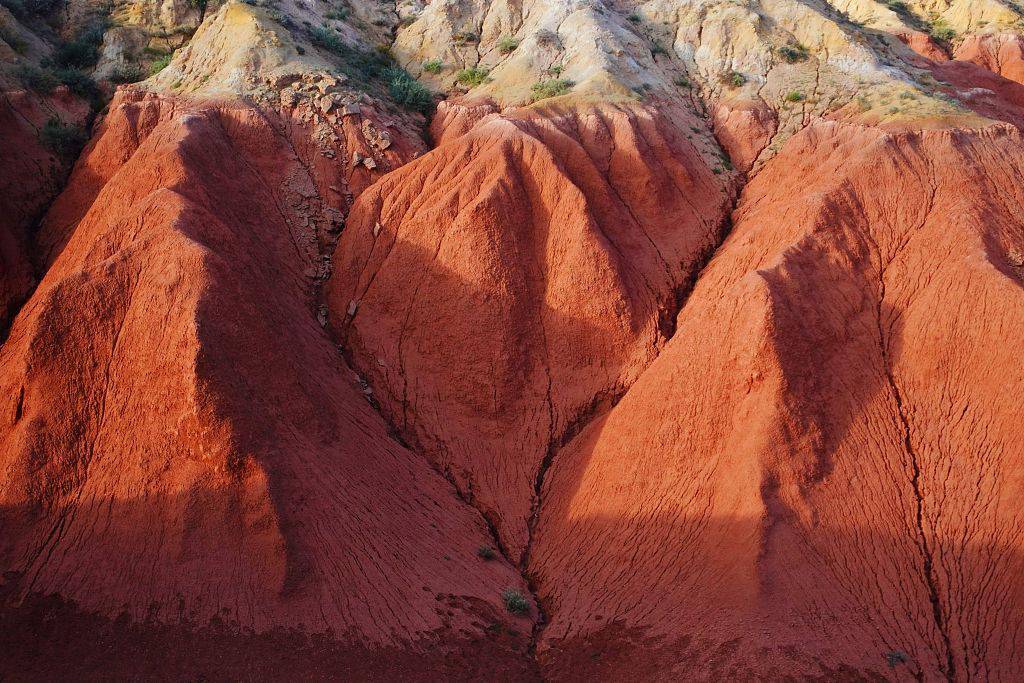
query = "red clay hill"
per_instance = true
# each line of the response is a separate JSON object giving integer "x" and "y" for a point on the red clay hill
{"x": 471, "y": 341}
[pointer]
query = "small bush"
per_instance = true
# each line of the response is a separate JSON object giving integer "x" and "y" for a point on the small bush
{"x": 515, "y": 602}
{"x": 36, "y": 79}
{"x": 896, "y": 657}
{"x": 339, "y": 14}
{"x": 80, "y": 83}
{"x": 485, "y": 552}
{"x": 126, "y": 73}
{"x": 159, "y": 64}
{"x": 658, "y": 49}
{"x": 507, "y": 44}
{"x": 556, "y": 70}
{"x": 634, "y": 18}
{"x": 941, "y": 32}
{"x": 734, "y": 79}
{"x": 552, "y": 87}
{"x": 681, "y": 81}
{"x": 327, "y": 39}
{"x": 408, "y": 92}
{"x": 432, "y": 66}
{"x": 793, "y": 53}
{"x": 472, "y": 76}
{"x": 465, "y": 38}
{"x": 795, "y": 96}
{"x": 63, "y": 140}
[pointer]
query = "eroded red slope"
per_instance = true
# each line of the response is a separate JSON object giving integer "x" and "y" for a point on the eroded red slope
{"x": 818, "y": 476}
{"x": 180, "y": 439}
{"x": 500, "y": 289}
{"x": 31, "y": 175}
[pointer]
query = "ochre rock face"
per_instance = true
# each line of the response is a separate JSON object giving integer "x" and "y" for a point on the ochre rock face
{"x": 823, "y": 457}
{"x": 530, "y": 267}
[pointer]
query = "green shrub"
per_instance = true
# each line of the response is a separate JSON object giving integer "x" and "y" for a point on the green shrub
{"x": 432, "y": 66}
{"x": 339, "y": 14}
{"x": 515, "y": 602}
{"x": 734, "y": 79}
{"x": 465, "y": 37}
{"x": 795, "y": 96}
{"x": 472, "y": 76}
{"x": 84, "y": 50}
{"x": 408, "y": 92}
{"x": 941, "y": 32}
{"x": 485, "y": 552}
{"x": 63, "y": 140}
{"x": 507, "y": 44}
{"x": 160, "y": 64}
{"x": 34, "y": 78}
{"x": 80, "y": 83}
{"x": 327, "y": 39}
{"x": 126, "y": 73}
{"x": 634, "y": 18}
{"x": 552, "y": 87}
{"x": 681, "y": 81}
{"x": 793, "y": 53}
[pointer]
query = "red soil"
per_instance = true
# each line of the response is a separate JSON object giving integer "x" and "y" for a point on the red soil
{"x": 1001, "y": 53}
{"x": 180, "y": 439}
{"x": 805, "y": 465}
{"x": 821, "y": 466}
{"x": 500, "y": 289}
{"x": 30, "y": 177}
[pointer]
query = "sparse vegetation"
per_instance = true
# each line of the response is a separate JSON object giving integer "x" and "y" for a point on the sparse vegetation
{"x": 657, "y": 48}
{"x": 407, "y": 91}
{"x": 485, "y": 552}
{"x": 337, "y": 14}
{"x": 896, "y": 657}
{"x": 681, "y": 81}
{"x": 84, "y": 50}
{"x": 941, "y": 32}
{"x": 465, "y": 38}
{"x": 793, "y": 53}
{"x": 159, "y": 64}
{"x": 795, "y": 96}
{"x": 507, "y": 44}
{"x": 472, "y": 76}
{"x": 515, "y": 602}
{"x": 551, "y": 87}
{"x": 634, "y": 18}
{"x": 126, "y": 73}
{"x": 556, "y": 70}
{"x": 433, "y": 66}
{"x": 34, "y": 78}
{"x": 328, "y": 39}
{"x": 734, "y": 79}
{"x": 63, "y": 140}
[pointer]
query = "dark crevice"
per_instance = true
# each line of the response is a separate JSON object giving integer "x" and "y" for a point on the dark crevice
{"x": 921, "y": 540}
